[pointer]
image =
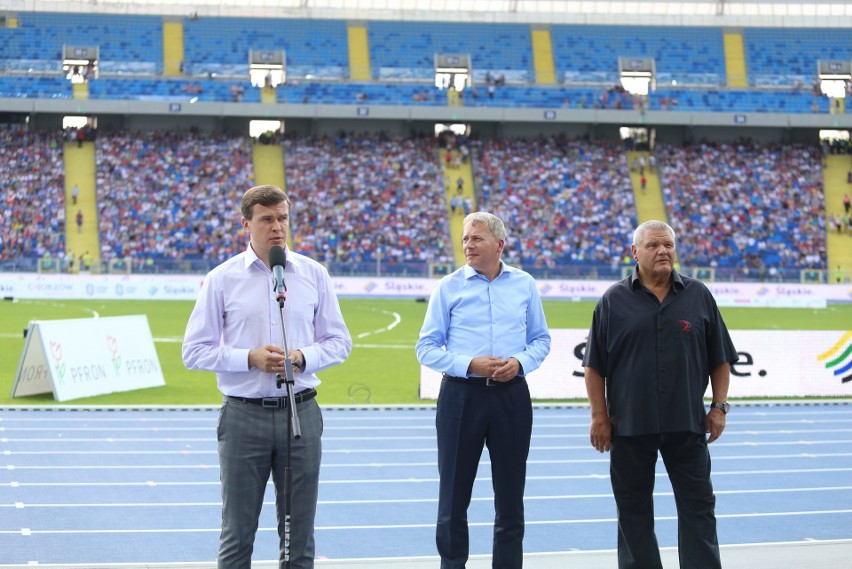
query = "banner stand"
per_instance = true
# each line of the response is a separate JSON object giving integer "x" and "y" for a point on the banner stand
{"x": 86, "y": 357}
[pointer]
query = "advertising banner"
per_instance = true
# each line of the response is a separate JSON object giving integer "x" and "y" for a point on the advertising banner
{"x": 186, "y": 287}
{"x": 86, "y": 357}
{"x": 772, "y": 363}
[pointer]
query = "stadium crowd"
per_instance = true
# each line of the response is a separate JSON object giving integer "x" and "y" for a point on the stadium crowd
{"x": 375, "y": 199}
{"x": 367, "y": 199}
{"x": 32, "y": 187}
{"x": 756, "y": 207}
{"x": 170, "y": 194}
{"x": 567, "y": 201}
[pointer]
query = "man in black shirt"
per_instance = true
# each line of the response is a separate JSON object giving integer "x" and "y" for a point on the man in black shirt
{"x": 656, "y": 338}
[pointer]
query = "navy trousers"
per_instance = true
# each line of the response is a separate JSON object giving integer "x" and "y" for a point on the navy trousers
{"x": 469, "y": 417}
{"x": 632, "y": 471}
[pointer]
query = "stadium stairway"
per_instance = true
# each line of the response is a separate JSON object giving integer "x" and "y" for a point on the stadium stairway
{"x": 79, "y": 160}
{"x": 542, "y": 46}
{"x": 359, "y": 53}
{"x": 835, "y": 185}
{"x": 735, "y": 61}
{"x": 649, "y": 202}
{"x": 268, "y": 161}
{"x": 173, "y": 49}
{"x": 80, "y": 91}
{"x": 454, "y": 170}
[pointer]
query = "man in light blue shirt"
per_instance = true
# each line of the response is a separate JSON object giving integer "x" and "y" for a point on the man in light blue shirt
{"x": 484, "y": 330}
{"x": 235, "y": 331}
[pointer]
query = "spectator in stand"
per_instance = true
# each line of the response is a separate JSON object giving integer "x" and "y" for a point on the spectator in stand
{"x": 169, "y": 195}
{"x": 371, "y": 198}
{"x": 32, "y": 193}
{"x": 570, "y": 200}
{"x": 746, "y": 206}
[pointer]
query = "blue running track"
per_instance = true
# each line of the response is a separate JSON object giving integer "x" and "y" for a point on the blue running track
{"x": 114, "y": 486}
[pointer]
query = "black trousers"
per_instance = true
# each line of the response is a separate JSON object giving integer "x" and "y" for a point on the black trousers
{"x": 632, "y": 471}
{"x": 469, "y": 417}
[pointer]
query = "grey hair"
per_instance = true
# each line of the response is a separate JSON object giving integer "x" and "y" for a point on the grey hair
{"x": 652, "y": 225}
{"x": 494, "y": 223}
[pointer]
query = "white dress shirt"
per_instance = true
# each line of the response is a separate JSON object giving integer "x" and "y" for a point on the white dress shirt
{"x": 236, "y": 311}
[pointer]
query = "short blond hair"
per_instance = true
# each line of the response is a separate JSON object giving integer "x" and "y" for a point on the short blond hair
{"x": 494, "y": 223}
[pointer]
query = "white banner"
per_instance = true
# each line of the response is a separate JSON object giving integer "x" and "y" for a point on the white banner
{"x": 186, "y": 287}
{"x": 87, "y": 356}
{"x": 100, "y": 287}
{"x": 772, "y": 363}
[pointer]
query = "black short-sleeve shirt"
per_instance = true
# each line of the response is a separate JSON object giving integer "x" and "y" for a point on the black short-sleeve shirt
{"x": 656, "y": 357}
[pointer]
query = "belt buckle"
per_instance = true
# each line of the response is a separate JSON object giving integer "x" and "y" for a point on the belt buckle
{"x": 271, "y": 402}
{"x": 489, "y": 382}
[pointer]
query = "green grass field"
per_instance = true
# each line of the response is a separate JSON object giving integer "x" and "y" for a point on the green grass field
{"x": 381, "y": 370}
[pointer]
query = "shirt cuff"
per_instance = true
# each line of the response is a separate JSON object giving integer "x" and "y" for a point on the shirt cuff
{"x": 461, "y": 365}
{"x": 238, "y": 360}
{"x": 310, "y": 356}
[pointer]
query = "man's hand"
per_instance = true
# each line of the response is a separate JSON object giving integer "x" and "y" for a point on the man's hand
{"x": 298, "y": 359}
{"x": 495, "y": 368}
{"x": 600, "y": 434}
{"x": 269, "y": 359}
{"x": 715, "y": 424}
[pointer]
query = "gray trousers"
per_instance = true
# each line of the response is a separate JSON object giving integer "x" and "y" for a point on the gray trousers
{"x": 253, "y": 444}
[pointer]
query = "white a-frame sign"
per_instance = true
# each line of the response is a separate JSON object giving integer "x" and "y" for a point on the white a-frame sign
{"x": 86, "y": 357}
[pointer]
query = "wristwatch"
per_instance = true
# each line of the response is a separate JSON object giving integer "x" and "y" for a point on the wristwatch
{"x": 723, "y": 406}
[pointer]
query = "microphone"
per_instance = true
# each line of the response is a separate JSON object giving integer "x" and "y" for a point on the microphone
{"x": 277, "y": 260}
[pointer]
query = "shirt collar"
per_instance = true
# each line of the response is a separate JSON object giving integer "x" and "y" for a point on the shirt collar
{"x": 252, "y": 258}
{"x": 677, "y": 281}
{"x": 471, "y": 272}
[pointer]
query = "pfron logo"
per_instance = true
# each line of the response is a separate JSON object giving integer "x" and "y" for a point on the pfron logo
{"x": 839, "y": 358}
{"x": 112, "y": 346}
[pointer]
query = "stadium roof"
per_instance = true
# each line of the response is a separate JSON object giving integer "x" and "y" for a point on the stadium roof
{"x": 756, "y": 13}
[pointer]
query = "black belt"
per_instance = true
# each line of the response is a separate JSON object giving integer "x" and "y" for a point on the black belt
{"x": 486, "y": 381}
{"x": 277, "y": 402}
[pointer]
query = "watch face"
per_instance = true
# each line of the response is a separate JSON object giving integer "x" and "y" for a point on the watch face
{"x": 724, "y": 407}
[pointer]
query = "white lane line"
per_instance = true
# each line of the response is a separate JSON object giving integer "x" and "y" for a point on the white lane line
{"x": 539, "y": 431}
{"x": 418, "y": 480}
{"x": 489, "y": 499}
{"x": 344, "y": 451}
{"x": 430, "y": 525}
{"x": 372, "y": 465}
{"x": 379, "y": 438}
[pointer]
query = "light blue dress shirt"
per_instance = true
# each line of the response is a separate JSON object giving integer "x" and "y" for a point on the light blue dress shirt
{"x": 236, "y": 311}
{"x": 469, "y": 316}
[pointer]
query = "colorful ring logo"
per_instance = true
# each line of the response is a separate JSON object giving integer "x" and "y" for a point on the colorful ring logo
{"x": 839, "y": 353}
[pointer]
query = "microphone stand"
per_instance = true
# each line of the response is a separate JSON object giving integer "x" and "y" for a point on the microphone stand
{"x": 293, "y": 425}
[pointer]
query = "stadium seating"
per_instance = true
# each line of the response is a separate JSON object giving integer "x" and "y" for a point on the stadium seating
{"x": 222, "y": 45}
{"x": 690, "y": 62}
{"x": 754, "y": 208}
{"x": 361, "y": 202}
{"x": 784, "y": 57}
{"x": 408, "y": 48}
{"x": 171, "y": 195}
{"x": 564, "y": 202}
{"x": 32, "y": 212}
{"x": 40, "y": 37}
{"x": 688, "y": 55}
